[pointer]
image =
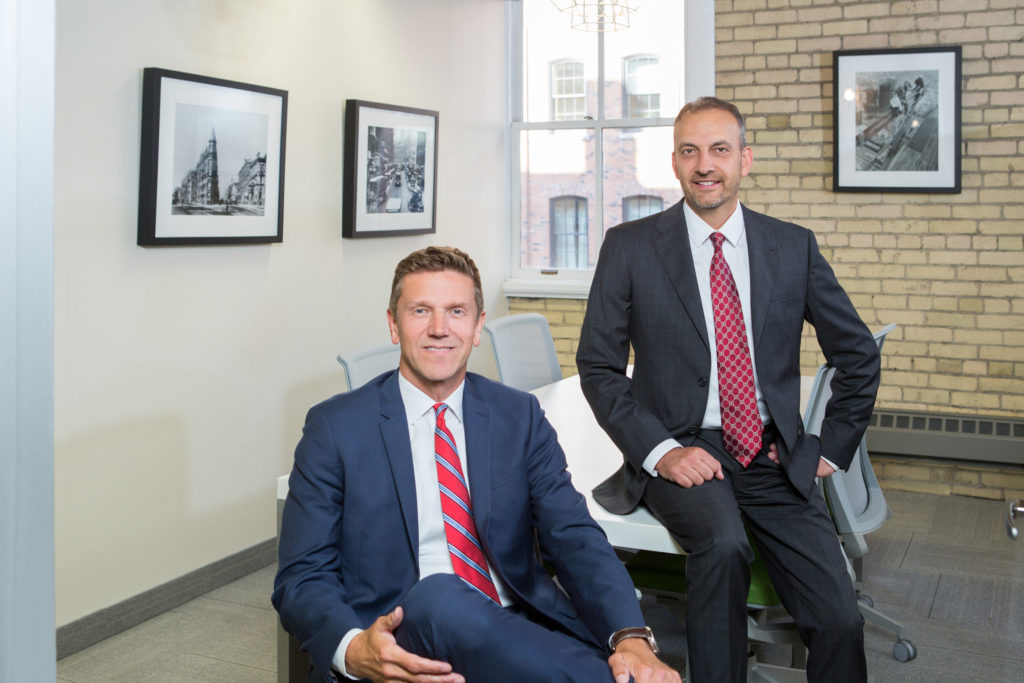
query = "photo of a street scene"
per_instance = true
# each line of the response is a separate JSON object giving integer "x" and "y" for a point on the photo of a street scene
{"x": 897, "y": 121}
{"x": 395, "y": 164}
{"x": 220, "y": 162}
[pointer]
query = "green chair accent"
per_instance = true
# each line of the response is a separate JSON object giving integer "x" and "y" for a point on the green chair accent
{"x": 668, "y": 573}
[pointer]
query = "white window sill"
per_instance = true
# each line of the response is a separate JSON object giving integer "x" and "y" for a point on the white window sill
{"x": 547, "y": 287}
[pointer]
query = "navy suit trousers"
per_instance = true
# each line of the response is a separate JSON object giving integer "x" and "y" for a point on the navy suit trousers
{"x": 448, "y": 621}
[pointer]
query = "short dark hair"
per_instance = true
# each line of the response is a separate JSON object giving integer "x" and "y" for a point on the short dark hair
{"x": 435, "y": 260}
{"x": 710, "y": 103}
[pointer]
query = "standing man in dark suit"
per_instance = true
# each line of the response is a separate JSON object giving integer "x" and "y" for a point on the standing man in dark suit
{"x": 712, "y": 297}
{"x": 407, "y": 547}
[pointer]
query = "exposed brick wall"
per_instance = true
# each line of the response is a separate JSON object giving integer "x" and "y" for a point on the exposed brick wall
{"x": 948, "y": 268}
{"x": 945, "y": 478}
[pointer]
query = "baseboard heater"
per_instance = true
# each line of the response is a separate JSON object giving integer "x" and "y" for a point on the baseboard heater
{"x": 976, "y": 438}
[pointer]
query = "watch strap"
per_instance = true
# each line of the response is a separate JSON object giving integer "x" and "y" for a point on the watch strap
{"x": 622, "y": 634}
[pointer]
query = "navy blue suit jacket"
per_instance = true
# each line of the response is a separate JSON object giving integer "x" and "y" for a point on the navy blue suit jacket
{"x": 645, "y": 296}
{"x": 348, "y": 549}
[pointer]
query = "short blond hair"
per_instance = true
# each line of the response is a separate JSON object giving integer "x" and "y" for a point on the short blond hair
{"x": 435, "y": 260}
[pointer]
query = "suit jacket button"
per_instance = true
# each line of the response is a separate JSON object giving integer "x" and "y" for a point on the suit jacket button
{"x": 702, "y": 381}
{"x": 692, "y": 430}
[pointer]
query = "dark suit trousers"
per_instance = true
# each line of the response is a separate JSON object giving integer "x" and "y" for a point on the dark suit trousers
{"x": 451, "y": 622}
{"x": 801, "y": 552}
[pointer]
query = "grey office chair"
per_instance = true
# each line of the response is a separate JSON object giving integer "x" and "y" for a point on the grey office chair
{"x": 524, "y": 351}
{"x": 856, "y": 503}
{"x": 362, "y": 366}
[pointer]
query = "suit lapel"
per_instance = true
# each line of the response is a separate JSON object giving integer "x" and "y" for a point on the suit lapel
{"x": 476, "y": 415}
{"x": 394, "y": 429}
{"x": 673, "y": 246}
{"x": 761, "y": 250}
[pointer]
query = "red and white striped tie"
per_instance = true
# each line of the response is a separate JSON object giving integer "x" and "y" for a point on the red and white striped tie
{"x": 741, "y": 422}
{"x": 463, "y": 543}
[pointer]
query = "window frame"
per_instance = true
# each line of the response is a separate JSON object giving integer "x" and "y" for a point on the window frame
{"x": 699, "y": 19}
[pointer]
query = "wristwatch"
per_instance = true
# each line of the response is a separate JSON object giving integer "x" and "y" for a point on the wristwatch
{"x": 622, "y": 634}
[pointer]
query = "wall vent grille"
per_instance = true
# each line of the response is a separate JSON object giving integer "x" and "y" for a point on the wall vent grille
{"x": 956, "y": 437}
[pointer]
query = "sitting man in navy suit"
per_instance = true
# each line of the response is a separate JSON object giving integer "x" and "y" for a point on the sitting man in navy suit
{"x": 408, "y": 539}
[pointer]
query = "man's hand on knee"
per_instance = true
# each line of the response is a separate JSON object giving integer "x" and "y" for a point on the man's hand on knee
{"x": 688, "y": 467}
{"x": 375, "y": 654}
{"x": 633, "y": 656}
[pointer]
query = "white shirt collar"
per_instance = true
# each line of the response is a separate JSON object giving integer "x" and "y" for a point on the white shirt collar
{"x": 700, "y": 231}
{"x": 417, "y": 403}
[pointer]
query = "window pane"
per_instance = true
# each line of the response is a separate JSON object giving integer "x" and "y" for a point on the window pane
{"x": 637, "y": 163}
{"x": 557, "y": 165}
{"x": 558, "y": 62}
{"x": 646, "y": 60}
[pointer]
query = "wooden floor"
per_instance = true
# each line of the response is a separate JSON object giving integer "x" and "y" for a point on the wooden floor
{"x": 943, "y": 565}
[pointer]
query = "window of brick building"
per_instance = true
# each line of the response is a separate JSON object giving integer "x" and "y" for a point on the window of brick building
{"x": 569, "y": 232}
{"x": 640, "y": 205}
{"x": 641, "y": 80}
{"x": 568, "y": 91}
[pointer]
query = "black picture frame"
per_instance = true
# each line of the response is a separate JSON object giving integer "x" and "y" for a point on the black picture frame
{"x": 197, "y": 133}
{"x": 390, "y": 171}
{"x": 896, "y": 120}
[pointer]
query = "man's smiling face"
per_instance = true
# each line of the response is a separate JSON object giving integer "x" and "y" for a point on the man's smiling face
{"x": 437, "y": 325}
{"x": 709, "y": 160}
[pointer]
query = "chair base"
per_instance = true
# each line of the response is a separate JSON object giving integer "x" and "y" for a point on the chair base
{"x": 770, "y": 673}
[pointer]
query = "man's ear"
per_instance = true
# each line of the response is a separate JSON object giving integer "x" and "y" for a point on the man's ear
{"x": 479, "y": 329}
{"x": 393, "y": 327}
{"x": 746, "y": 160}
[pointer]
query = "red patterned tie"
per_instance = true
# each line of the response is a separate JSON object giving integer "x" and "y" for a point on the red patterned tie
{"x": 463, "y": 544}
{"x": 741, "y": 423}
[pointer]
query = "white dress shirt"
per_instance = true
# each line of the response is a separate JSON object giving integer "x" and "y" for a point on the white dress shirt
{"x": 433, "y": 557}
{"x": 734, "y": 249}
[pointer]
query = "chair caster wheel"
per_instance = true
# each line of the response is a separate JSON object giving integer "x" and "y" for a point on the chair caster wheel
{"x": 904, "y": 650}
{"x": 866, "y": 600}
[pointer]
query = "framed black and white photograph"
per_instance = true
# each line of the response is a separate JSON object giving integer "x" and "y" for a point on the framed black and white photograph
{"x": 897, "y": 120}
{"x": 212, "y": 167}
{"x": 390, "y": 170}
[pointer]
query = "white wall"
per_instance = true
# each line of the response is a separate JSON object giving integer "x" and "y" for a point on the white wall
{"x": 182, "y": 375}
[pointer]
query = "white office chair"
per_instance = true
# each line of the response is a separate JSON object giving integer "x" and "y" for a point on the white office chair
{"x": 362, "y": 366}
{"x": 524, "y": 351}
{"x": 856, "y": 503}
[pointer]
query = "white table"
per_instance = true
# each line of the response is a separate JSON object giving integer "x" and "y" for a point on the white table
{"x": 592, "y": 457}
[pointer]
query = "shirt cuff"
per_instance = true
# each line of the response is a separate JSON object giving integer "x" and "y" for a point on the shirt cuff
{"x": 835, "y": 468}
{"x": 657, "y": 453}
{"x": 339, "y": 654}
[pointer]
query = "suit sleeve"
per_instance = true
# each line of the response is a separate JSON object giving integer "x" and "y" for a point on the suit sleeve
{"x": 309, "y": 592}
{"x": 848, "y": 346}
{"x": 603, "y": 354}
{"x": 572, "y": 542}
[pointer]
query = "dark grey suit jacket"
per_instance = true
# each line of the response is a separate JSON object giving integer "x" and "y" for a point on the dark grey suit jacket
{"x": 645, "y": 294}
